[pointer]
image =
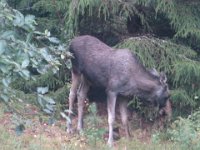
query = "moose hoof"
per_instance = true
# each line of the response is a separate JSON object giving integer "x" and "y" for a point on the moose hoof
{"x": 110, "y": 144}
{"x": 70, "y": 131}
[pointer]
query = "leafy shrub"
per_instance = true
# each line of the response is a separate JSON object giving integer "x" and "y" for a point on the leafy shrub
{"x": 186, "y": 131}
{"x": 23, "y": 48}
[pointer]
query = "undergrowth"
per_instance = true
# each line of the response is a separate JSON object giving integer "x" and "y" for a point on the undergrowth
{"x": 92, "y": 139}
{"x": 184, "y": 132}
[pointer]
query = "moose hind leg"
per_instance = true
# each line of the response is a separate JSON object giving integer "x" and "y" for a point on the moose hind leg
{"x": 82, "y": 95}
{"x": 76, "y": 78}
{"x": 124, "y": 116}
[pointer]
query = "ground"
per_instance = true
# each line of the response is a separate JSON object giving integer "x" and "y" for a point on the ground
{"x": 39, "y": 134}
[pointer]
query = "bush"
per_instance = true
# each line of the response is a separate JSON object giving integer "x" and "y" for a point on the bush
{"x": 186, "y": 131}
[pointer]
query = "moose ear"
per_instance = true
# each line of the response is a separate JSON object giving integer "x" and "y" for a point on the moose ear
{"x": 163, "y": 77}
{"x": 154, "y": 72}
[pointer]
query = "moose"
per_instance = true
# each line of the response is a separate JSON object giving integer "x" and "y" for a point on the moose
{"x": 119, "y": 72}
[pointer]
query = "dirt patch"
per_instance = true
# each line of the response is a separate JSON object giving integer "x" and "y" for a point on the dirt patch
{"x": 54, "y": 135}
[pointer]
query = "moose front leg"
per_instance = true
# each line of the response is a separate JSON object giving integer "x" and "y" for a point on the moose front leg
{"x": 124, "y": 116}
{"x": 111, "y": 102}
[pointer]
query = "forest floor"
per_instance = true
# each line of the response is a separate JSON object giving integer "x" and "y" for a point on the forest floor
{"x": 36, "y": 133}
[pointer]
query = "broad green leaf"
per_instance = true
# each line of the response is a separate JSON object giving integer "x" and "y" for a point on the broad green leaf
{"x": 29, "y": 37}
{"x": 50, "y": 107}
{"x": 6, "y": 81}
{"x": 29, "y": 22}
{"x": 10, "y": 17}
{"x": 19, "y": 19}
{"x": 47, "y": 111}
{"x": 40, "y": 101}
{"x": 3, "y": 46}
{"x": 7, "y": 34}
{"x": 26, "y": 73}
{"x": 4, "y": 97}
{"x": 4, "y": 68}
{"x": 30, "y": 19}
{"x": 42, "y": 90}
{"x": 61, "y": 48}
{"x": 11, "y": 62}
{"x": 49, "y": 100}
{"x": 54, "y": 40}
{"x": 45, "y": 54}
{"x": 25, "y": 63}
{"x": 41, "y": 69}
{"x": 34, "y": 63}
{"x": 55, "y": 70}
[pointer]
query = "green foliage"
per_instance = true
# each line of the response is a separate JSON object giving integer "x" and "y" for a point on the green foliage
{"x": 184, "y": 16}
{"x": 65, "y": 17}
{"x": 189, "y": 72}
{"x": 110, "y": 14}
{"x": 61, "y": 94}
{"x": 146, "y": 112}
{"x": 154, "y": 52}
{"x": 181, "y": 98}
{"x": 93, "y": 133}
{"x": 185, "y": 131}
{"x": 48, "y": 79}
{"x": 49, "y": 14}
{"x": 57, "y": 90}
{"x": 24, "y": 49}
{"x": 18, "y": 52}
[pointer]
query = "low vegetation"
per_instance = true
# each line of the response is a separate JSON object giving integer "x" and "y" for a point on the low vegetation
{"x": 41, "y": 135}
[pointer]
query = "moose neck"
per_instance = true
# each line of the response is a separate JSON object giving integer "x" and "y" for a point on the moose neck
{"x": 147, "y": 87}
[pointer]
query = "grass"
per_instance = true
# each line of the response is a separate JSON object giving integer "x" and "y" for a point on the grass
{"x": 42, "y": 136}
